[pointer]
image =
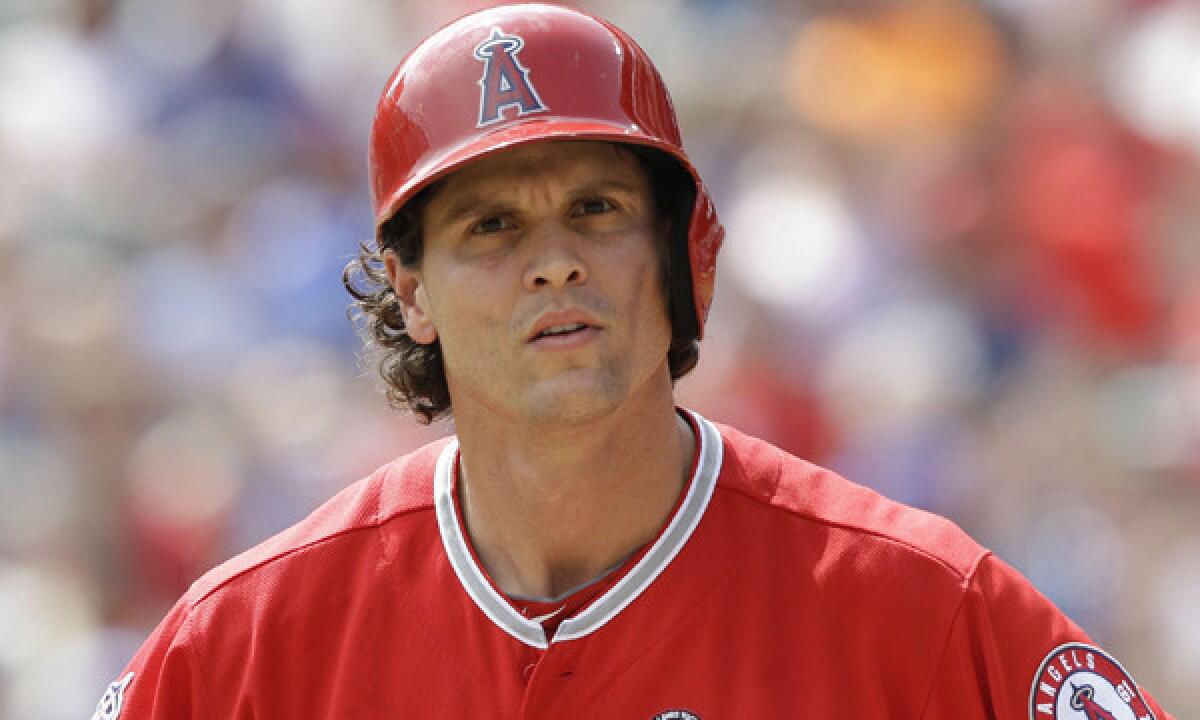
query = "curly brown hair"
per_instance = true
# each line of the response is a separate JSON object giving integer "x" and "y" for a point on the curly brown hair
{"x": 413, "y": 373}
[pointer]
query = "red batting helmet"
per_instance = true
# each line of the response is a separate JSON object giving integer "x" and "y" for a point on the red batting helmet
{"x": 516, "y": 74}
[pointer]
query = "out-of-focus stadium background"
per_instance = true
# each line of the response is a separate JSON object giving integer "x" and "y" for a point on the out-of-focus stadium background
{"x": 963, "y": 267}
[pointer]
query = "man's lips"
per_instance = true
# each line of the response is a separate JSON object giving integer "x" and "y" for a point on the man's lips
{"x": 556, "y": 324}
{"x": 570, "y": 340}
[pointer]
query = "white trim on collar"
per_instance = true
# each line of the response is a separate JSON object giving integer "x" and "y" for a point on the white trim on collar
{"x": 618, "y": 597}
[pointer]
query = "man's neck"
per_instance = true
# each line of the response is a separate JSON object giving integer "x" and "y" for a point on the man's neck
{"x": 551, "y": 508}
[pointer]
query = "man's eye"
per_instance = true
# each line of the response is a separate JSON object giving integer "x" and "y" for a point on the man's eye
{"x": 491, "y": 225}
{"x": 595, "y": 206}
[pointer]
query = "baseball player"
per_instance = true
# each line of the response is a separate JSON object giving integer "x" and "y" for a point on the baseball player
{"x": 584, "y": 548}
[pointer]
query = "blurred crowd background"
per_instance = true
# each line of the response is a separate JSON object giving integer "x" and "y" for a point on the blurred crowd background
{"x": 962, "y": 266}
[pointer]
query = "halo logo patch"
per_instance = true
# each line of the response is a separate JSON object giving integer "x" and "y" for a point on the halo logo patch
{"x": 505, "y": 82}
{"x": 109, "y": 707}
{"x": 1081, "y": 682}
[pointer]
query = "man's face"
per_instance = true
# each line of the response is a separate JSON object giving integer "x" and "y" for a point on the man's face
{"x": 541, "y": 278}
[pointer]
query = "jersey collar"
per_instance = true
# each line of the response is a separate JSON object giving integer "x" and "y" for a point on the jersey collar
{"x": 625, "y": 591}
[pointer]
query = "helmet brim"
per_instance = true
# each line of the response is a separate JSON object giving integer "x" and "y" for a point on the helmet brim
{"x": 526, "y": 132}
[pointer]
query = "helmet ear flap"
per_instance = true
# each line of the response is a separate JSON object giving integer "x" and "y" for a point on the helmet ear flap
{"x": 681, "y": 300}
{"x": 681, "y": 303}
{"x": 674, "y": 196}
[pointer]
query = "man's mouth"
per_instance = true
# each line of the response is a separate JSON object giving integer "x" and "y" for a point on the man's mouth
{"x": 565, "y": 329}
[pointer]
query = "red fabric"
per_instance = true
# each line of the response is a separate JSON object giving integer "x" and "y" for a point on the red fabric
{"x": 798, "y": 595}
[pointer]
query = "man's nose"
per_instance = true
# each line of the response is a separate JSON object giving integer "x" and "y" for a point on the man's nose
{"x": 555, "y": 260}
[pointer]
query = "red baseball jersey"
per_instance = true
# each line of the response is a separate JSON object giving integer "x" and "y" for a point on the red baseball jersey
{"x": 775, "y": 589}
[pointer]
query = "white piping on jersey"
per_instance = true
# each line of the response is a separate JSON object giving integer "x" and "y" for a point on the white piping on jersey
{"x": 623, "y": 592}
{"x": 469, "y": 576}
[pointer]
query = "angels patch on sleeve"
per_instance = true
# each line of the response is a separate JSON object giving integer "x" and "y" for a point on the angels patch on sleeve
{"x": 109, "y": 707}
{"x": 1082, "y": 682}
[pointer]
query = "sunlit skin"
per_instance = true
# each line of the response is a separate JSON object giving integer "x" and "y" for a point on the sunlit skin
{"x": 572, "y": 454}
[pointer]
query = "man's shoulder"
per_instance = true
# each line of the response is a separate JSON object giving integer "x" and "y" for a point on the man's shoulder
{"x": 400, "y": 488}
{"x": 813, "y": 494}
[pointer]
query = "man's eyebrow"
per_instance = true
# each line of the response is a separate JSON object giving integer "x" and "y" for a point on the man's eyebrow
{"x": 465, "y": 206}
{"x": 602, "y": 184}
{"x": 473, "y": 203}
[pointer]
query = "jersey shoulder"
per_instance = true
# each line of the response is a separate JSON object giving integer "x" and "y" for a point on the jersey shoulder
{"x": 792, "y": 485}
{"x": 401, "y": 487}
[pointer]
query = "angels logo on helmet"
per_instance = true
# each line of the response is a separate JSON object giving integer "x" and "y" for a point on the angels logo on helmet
{"x": 1081, "y": 682}
{"x": 505, "y": 82}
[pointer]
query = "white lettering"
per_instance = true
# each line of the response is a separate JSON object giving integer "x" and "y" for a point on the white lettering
{"x": 1125, "y": 692}
{"x": 1054, "y": 673}
{"x": 1047, "y": 688}
{"x": 1091, "y": 661}
{"x": 109, "y": 707}
{"x": 1046, "y": 708}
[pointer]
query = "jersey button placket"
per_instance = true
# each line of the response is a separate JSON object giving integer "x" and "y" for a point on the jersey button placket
{"x": 527, "y": 663}
{"x": 550, "y": 677}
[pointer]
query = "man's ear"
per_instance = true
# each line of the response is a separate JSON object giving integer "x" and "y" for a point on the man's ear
{"x": 414, "y": 301}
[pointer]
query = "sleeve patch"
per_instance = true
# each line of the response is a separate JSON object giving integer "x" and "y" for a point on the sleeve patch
{"x": 109, "y": 707}
{"x": 1078, "y": 681}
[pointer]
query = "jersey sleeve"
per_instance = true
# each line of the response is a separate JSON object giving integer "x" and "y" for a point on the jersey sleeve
{"x": 1011, "y": 653}
{"x": 163, "y": 679}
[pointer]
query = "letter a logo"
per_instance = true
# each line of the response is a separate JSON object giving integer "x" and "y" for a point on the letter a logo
{"x": 505, "y": 82}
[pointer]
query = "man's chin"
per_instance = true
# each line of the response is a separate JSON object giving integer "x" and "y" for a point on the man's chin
{"x": 576, "y": 396}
